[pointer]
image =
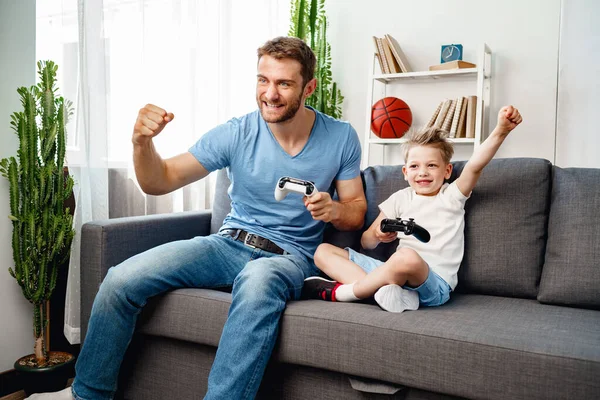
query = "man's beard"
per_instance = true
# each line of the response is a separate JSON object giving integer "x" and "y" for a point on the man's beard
{"x": 290, "y": 112}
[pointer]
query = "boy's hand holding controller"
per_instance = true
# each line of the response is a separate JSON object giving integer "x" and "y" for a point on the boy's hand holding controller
{"x": 384, "y": 237}
{"x": 373, "y": 236}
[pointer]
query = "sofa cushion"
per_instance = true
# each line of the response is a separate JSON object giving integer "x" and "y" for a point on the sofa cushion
{"x": 482, "y": 346}
{"x": 192, "y": 315}
{"x": 505, "y": 224}
{"x": 474, "y": 346}
{"x": 571, "y": 274}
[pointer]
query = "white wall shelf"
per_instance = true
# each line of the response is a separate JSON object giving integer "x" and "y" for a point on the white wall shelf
{"x": 400, "y": 141}
{"x": 480, "y": 75}
{"x": 387, "y": 78}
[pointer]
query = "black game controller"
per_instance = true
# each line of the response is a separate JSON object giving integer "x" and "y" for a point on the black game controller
{"x": 408, "y": 227}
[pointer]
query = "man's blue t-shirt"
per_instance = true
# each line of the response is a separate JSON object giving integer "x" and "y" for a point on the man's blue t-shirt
{"x": 255, "y": 161}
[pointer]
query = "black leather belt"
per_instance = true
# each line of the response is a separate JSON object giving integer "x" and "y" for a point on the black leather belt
{"x": 252, "y": 240}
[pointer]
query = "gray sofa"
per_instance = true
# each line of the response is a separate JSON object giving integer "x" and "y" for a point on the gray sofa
{"x": 524, "y": 322}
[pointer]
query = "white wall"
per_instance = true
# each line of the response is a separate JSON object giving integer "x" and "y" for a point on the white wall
{"x": 577, "y": 133}
{"x": 17, "y": 68}
{"x": 523, "y": 36}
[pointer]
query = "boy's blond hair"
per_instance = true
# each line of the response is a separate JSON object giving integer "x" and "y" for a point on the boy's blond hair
{"x": 434, "y": 137}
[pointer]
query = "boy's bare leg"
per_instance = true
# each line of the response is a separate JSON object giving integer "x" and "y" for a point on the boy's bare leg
{"x": 405, "y": 266}
{"x": 335, "y": 262}
{"x": 385, "y": 282}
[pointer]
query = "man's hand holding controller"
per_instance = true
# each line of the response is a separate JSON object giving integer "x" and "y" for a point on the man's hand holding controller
{"x": 150, "y": 122}
{"x": 321, "y": 206}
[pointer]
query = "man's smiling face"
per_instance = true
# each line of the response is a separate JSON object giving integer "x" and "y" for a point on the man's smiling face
{"x": 279, "y": 88}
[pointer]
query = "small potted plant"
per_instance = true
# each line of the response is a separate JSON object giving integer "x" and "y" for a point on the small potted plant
{"x": 42, "y": 225}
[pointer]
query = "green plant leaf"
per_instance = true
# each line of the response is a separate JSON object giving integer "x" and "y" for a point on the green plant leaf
{"x": 309, "y": 23}
{"x": 38, "y": 188}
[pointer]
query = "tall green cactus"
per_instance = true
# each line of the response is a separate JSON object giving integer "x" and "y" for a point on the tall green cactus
{"x": 42, "y": 226}
{"x": 309, "y": 23}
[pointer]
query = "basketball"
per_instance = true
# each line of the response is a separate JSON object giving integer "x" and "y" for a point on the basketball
{"x": 390, "y": 118}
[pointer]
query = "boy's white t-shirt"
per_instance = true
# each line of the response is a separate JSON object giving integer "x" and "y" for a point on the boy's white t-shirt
{"x": 443, "y": 215}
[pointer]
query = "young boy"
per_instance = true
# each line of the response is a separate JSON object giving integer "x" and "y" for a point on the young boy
{"x": 417, "y": 273}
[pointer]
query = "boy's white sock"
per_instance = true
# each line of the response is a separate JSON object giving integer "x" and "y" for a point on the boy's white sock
{"x": 64, "y": 394}
{"x": 345, "y": 293}
{"x": 394, "y": 298}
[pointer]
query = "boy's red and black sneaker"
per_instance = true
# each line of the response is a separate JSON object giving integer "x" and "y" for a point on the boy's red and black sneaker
{"x": 316, "y": 287}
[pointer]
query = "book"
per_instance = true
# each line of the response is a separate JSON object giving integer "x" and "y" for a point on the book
{"x": 460, "y": 130}
{"x": 442, "y": 114}
{"x": 377, "y": 55}
{"x": 448, "y": 118}
{"x": 455, "y": 117}
{"x": 471, "y": 116}
{"x": 379, "y": 62}
{"x": 457, "y": 64}
{"x": 398, "y": 54}
{"x": 435, "y": 114}
{"x": 384, "y": 64}
{"x": 392, "y": 63}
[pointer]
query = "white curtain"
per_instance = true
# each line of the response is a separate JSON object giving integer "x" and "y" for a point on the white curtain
{"x": 195, "y": 58}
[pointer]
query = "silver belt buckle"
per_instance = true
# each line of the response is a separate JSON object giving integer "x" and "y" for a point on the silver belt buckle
{"x": 246, "y": 239}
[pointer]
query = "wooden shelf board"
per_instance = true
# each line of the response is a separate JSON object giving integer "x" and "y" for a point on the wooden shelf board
{"x": 400, "y": 141}
{"x": 386, "y": 78}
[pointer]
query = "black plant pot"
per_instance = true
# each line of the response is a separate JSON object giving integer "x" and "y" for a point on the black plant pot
{"x": 45, "y": 379}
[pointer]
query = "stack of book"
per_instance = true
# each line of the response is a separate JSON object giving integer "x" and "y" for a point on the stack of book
{"x": 390, "y": 56}
{"x": 456, "y": 116}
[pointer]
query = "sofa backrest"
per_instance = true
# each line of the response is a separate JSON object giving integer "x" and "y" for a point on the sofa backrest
{"x": 221, "y": 203}
{"x": 505, "y": 224}
{"x": 571, "y": 274}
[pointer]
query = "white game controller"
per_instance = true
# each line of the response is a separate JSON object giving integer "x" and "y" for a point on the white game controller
{"x": 286, "y": 185}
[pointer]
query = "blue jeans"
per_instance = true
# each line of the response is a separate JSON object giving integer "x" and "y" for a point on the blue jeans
{"x": 262, "y": 284}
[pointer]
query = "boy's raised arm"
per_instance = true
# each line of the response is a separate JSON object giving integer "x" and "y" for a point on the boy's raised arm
{"x": 508, "y": 119}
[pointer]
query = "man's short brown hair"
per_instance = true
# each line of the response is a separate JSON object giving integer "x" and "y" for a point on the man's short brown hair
{"x": 434, "y": 137}
{"x": 294, "y": 48}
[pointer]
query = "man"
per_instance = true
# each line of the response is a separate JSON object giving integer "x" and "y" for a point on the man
{"x": 282, "y": 138}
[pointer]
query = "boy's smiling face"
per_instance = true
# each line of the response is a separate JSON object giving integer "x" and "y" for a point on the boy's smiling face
{"x": 425, "y": 170}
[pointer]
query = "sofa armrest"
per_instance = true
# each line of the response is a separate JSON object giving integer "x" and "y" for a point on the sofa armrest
{"x": 107, "y": 243}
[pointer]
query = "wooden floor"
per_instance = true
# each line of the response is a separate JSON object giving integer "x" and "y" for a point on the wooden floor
{"x": 15, "y": 396}
{"x": 20, "y": 395}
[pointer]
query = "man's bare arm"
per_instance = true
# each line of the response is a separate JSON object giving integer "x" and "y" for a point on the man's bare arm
{"x": 155, "y": 175}
{"x": 349, "y": 212}
{"x": 346, "y": 214}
